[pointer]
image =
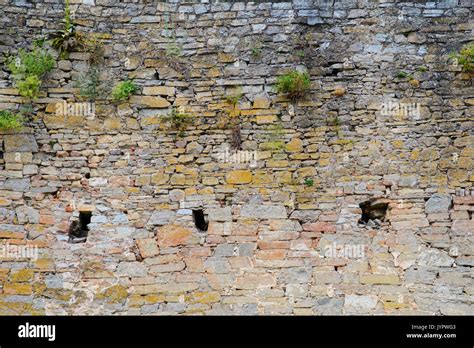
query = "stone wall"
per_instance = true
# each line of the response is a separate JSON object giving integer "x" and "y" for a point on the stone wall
{"x": 285, "y": 232}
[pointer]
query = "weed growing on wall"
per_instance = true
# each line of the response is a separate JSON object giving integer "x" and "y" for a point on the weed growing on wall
{"x": 89, "y": 84}
{"x": 256, "y": 49}
{"x": 123, "y": 90}
{"x": 68, "y": 38}
{"x": 178, "y": 120}
{"x": 10, "y": 120}
{"x": 294, "y": 84}
{"x": 95, "y": 48}
{"x": 27, "y": 69}
{"x": 233, "y": 99}
{"x": 234, "y": 119}
{"x": 465, "y": 58}
{"x": 403, "y": 75}
{"x": 308, "y": 182}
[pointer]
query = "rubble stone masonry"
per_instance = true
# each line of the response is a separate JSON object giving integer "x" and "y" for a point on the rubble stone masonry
{"x": 286, "y": 232}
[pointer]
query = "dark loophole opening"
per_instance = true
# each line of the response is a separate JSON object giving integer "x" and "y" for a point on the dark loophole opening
{"x": 78, "y": 230}
{"x": 87, "y": 175}
{"x": 373, "y": 213}
{"x": 200, "y": 220}
{"x": 85, "y": 219}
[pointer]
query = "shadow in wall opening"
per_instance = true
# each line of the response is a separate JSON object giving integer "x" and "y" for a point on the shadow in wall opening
{"x": 200, "y": 220}
{"x": 373, "y": 213}
{"x": 78, "y": 230}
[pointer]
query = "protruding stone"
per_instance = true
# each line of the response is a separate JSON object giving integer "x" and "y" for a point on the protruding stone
{"x": 438, "y": 203}
{"x": 435, "y": 258}
{"x": 20, "y": 143}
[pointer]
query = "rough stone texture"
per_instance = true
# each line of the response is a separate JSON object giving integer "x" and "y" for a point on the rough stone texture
{"x": 360, "y": 304}
{"x": 277, "y": 242}
{"x": 20, "y": 143}
{"x": 255, "y": 211}
{"x": 438, "y": 204}
{"x": 173, "y": 235}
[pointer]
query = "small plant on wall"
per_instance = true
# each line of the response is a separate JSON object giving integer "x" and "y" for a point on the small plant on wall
{"x": 403, "y": 75}
{"x": 233, "y": 100}
{"x": 10, "y": 121}
{"x": 173, "y": 50}
{"x": 233, "y": 119}
{"x": 411, "y": 80}
{"x": 28, "y": 68}
{"x": 230, "y": 117}
{"x": 304, "y": 49}
{"x": 123, "y": 90}
{"x": 95, "y": 48}
{"x": 293, "y": 84}
{"x": 89, "y": 84}
{"x": 178, "y": 120}
{"x": 308, "y": 182}
{"x": 256, "y": 49}
{"x": 465, "y": 58}
{"x": 68, "y": 38}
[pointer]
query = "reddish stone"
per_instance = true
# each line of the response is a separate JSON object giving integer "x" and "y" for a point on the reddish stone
{"x": 464, "y": 200}
{"x": 265, "y": 245}
{"x": 173, "y": 235}
{"x": 46, "y": 219}
{"x": 273, "y": 254}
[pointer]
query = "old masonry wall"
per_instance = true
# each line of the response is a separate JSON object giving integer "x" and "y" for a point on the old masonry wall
{"x": 283, "y": 235}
